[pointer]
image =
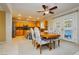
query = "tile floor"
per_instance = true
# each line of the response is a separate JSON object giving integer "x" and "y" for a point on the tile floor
{"x": 22, "y": 46}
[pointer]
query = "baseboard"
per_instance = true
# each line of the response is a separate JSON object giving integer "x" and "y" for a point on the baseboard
{"x": 71, "y": 42}
{"x": 2, "y": 42}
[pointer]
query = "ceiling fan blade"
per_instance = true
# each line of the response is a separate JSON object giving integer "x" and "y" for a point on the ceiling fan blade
{"x": 51, "y": 12}
{"x": 53, "y": 8}
{"x": 40, "y": 11}
{"x": 44, "y": 6}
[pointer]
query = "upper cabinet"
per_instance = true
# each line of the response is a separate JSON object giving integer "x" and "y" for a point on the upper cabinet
{"x": 45, "y": 23}
{"x": 37, "y": 23}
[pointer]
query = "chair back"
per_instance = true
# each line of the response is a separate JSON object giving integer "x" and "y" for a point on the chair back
{"x": 32, "y": 32}
{"x": 37, "y": 34}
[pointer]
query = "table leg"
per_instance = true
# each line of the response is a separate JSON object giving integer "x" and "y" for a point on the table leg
{"x": 54, "y": 44}
{"x": 58, "y": 42}
{"x": 50, "y": 46}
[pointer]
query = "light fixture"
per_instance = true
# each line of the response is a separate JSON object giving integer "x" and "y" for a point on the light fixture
{"x": 27, "y": 19}
{"x": 30, "y": 16}
{"x": 19, "y": 18}
{"x": 38, "y": 18}
{"x": 19, "y": 15}
{"x": 46, "y": 12}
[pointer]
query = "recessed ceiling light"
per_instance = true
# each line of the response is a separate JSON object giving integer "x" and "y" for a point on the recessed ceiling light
{"x": 19, "y": 15}
{"x": 27, "y": 19}
{"x": 38, "y": 18}
{"x": 19, "y": 18}
{"x": 30, "y": 16}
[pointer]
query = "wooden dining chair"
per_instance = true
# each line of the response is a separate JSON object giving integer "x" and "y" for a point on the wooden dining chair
{"x": 33, "y": 37}
{"x": 39, "y": 40}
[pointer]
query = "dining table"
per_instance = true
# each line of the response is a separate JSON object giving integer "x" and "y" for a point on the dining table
{"x": 51, "y": 37}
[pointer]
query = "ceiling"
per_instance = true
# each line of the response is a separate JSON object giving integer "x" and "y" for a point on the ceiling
{"x": 29, "y": 9}
{"x": 4, "y": 7}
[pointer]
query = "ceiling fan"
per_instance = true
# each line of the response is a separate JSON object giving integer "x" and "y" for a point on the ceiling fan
{"x": 47, "y": 10}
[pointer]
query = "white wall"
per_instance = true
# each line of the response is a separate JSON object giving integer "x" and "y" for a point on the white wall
{"x": 75, "y": 18}
{"x": 78, "y": 27}
{"x": 50, "y": 26}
